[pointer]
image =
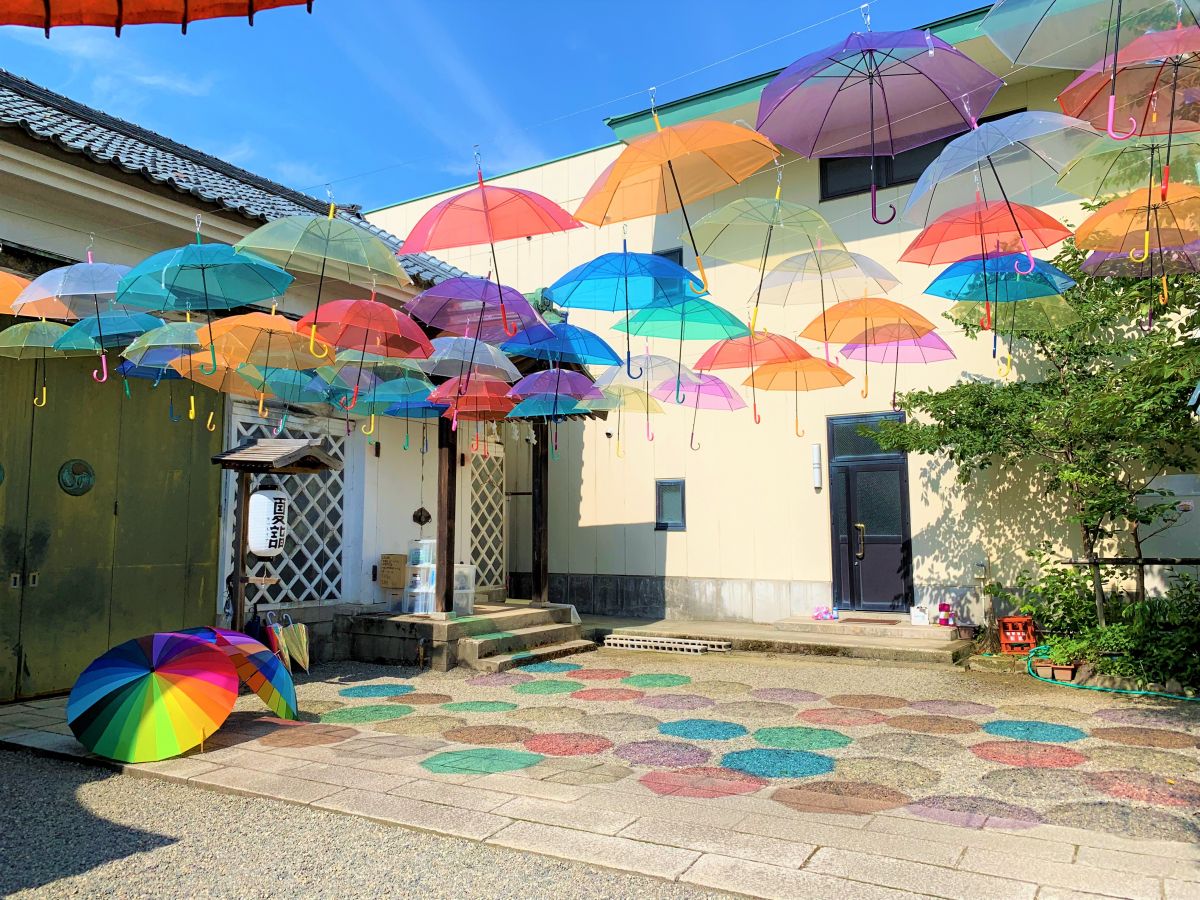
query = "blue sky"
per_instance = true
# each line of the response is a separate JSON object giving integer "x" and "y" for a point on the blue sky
{"x": 384, "y": 99}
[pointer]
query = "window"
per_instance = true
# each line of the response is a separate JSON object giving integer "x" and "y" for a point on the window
{"x": 844, "y": 176}
{"x": 846, "y": 440}
{"x": 673, "y": 291}
{"x": 669, "y": 506}
{"x": 675, "y": 255}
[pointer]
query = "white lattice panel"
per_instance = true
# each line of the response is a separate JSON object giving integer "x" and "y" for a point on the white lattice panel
{"x": 310, "y": 567}
{"x": 488, "y": 546}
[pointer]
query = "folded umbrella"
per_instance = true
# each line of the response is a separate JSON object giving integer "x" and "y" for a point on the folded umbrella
{"x": 295, "y": 637}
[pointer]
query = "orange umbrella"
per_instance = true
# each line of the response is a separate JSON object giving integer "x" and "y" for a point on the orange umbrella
{"x": 858, "y": 321}
{"x": 671, "y": 167}
{"x": 808, "y": 374}
{"x": 1140, "y": 222}
{"x": 261, "y": 339}
{"x": 984, "y": 227}
{"x": 10, "y": 286}
{"x": 226, "y": 379}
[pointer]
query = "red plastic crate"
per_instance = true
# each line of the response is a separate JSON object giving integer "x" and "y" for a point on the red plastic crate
{"x": 1018, "y": 634}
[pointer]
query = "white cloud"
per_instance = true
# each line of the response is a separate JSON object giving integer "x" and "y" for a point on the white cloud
{"x": 298, "y": 174}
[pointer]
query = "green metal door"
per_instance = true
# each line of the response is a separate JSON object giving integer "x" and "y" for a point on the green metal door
{"x": 16, "y": 412}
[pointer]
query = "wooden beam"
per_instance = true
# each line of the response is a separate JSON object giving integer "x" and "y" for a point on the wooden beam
{"x": 447, "y": 502}
{"x": 240, "y": 541}
{"x": 541, "y": 513}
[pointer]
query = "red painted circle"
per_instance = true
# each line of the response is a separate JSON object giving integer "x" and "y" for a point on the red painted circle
{"x": 608, "y": 694}
{"x": 1146, "y": 788}
{"x": 706, "y": 782}
{"x": 1028, "y": 754}
{"x": 842, "y": 716}
{"x": 567, "y": 744}
{"x": 599, "y": 674}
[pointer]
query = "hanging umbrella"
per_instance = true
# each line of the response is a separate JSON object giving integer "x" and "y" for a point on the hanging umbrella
{"x": 548, "y": 406}
{"x": 158, "y": 346}
{"x": 979, "y": 279}
{"x": 152, "y": 698}
{"x": 474, "y": 396}
{"x": 749, "y": 351}
{"x": 895, "y": 345}
{"x": 384, "y": 395}
{"x": 556, "y": 381}
{"x": 261, "y": 339}
{"x": 664, "y": 171}
{"x": 1163, "y": 260}
{"x": 987, "y": 224}
{"x": 875, "y": 94}
{"x": 468, "y": 306}
{"x": 257, "y": 668}
{"x": 288, "y": 385}
{"x": 106, "y": 331}
{"x": 1073, "y": 34}
{"x": 229, "y": 377}
{"x": 1159, "y": 77}
{"x": 627, "y": 398}
{"x": 567, "y": 344}
{"x": 36, "y": 340}
{"x": 1105, "y": 169}
{"x": 623, "y": 281}
{"x": 796, "y": 375}
{"x": 708, "y": 392}
{"x": 848, "y": 274}
{"x": 153, "y": 373}
{"x": 1022, "y": 317}
{"x": 47, "y": 14}
{"x": 10, "y": 288}
{"x": 328, "y": 247}
{"x": 453, "y": 355}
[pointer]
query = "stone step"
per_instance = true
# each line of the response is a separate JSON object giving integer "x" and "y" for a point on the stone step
{"x": 876, "y": 628}
{"x": 510, "y": 641}
{"x": 503, "y": 661}
{"x": 507, "y": 620}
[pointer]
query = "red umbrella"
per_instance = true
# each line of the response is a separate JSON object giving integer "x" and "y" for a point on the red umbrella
{"x": 983, "y": 227}
{"x": 473, "y": 396}
{"x": 116, "y": 14}
{"x": 748, "y": 351}
{"x": 486, "y": 214}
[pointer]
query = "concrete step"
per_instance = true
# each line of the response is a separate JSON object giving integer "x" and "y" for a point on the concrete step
{"x": 510, "y": 641}
{"x": 876, "y": 628}
{"x": 491, "y": 620}
{"x": 503, "y": 661}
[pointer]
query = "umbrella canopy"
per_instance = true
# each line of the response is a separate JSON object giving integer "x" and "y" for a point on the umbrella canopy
{"x": 1105, "y": 168}
{"x": 555, "y": 381}
{"x": 261, "y": 339}
{"x": 116, "y": 14}
{"x": 152, "y": 698}
{"x": 1037, "y": 314}
{"x": 415, "y": 409}
{"x": 71, "y": 292}
{"x": 107, "y": 330}
{"x": 480, "y": 386}
{"x": 328, "y": 247}
{"x": 1138, "y": 223}
{"x": 35, "y": 340}
{"x": 848, "y": 275}
{"x": 478, "y": 308}
{"x": 875, "y": 94}
{"x": 748, "y": 351}
{"x": 153, "y": 373}
{"x": 847, "y": 320}
{"x": 157, "y": 347}
{"x": 452, "y": 356}
{"x": 367, "y": 326}
{"x": 692, "y": 319}
{"x": 289, "y": 385}
{"x": 623, "y": 281}
{"x": 566, "y": 344}
{"x": 257, "y": 668}
{"x": 230, "y": 376}
{"x": 10, "y": 287}
{"x": 980, "y": 228}
{"x": 203, "y": 277}
{"x": 1160, "y": 261}
{"x": 751, "y": 228}
{"x": 995, "y": 279}
{"x": 880, "y": 347}
{"x": 549, "y": 406}
{"x": 485, "y": 214}
{"x": 653, "y": 369}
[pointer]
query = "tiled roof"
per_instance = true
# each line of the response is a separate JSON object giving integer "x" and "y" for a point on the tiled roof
{"x": 75, "y": 128}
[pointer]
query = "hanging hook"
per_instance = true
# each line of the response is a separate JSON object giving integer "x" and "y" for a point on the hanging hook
{"x": 320, "y": 351}
{"x": 349, "y": 426}
{"x": 757, "y": 417}
{"x": 703, "y": 289}
{"x": 454, "y": 419}
{"x": 100, "y": 375}
{"x": 1112, "y": 111}
{"x": 1032, "y": 262}
{"x": 554, "y": 443}
{"x": 210, "y": 424}
{"x": 1145, "y": 249}
{"x": 91, "y": 244}
{"x": 332, "y": 205}
{"x": 278, "y": 429}
{"x": 1166, "y": 181}
{"x": 205, "y": 368}
{"x": 629, "y": 367}
{"x": 40, "y": 400}
{"x": 895, "y": 405}
{"x": 199, "y": 220}
{"x": 1006, "y": 369}
{"x": 680, "y": 396}
{"x": 125, "y": 385}
{"x": 353, "y": 402}
{"x": 875, "y": 209}
{"x": 486, "y": 452}
{"x": 369, "y": 429}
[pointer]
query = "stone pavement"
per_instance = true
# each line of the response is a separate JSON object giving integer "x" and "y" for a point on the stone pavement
{"x": 746, "y": 774}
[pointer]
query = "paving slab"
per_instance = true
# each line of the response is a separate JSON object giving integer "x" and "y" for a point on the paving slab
{"x": 954, "y": 836}
{"x": 568, "y": 815}
{"x": 263, "y": 784}
{"x": 1064, "y": 875}
{"x": 596, "y": 849}
{"x": 892, "y": 846}
{"x": 530, "y": 787}
{"x": 667, "y": 809}
{"x": 180, "y": 769}
{"x": 937, "y": 881}
{"x": 347, "y": 777}
{"x": 740, "y": 876}
{"x": 1123, "y": 861}
{"x": 460, "y": 795}
{"x": 721, "y": 841}
{"x": 417, "y": 814}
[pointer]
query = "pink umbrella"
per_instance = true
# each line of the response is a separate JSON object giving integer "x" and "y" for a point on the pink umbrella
{"x": 709, "y": 391}
{"x": 896, "y": 345}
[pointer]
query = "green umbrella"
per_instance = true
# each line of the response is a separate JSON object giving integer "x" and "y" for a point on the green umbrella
{"x": 36, "y": 340}
{"x": 1019, "y": 316}
{"x": 1106, "y": 167}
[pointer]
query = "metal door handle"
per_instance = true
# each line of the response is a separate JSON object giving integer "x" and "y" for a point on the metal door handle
{"x": 32, "y": 580}
{"x": 862, "y": 540}
{"x": 14, "y": 580}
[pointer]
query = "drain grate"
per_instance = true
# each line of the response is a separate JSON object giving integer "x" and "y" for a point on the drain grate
{"x": 665, "y": 644}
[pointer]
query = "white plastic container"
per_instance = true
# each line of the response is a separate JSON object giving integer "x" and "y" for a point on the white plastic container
{"x": 422, "y": 552}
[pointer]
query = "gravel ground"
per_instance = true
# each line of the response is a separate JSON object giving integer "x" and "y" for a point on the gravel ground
{"x": 73, "y": 831}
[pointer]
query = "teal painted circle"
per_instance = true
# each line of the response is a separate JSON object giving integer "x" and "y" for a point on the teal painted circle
{"x": 1042, "y": 732}
{"x": 703, "y": 729}
{"x": 481, "y": 761}
{"x": 656, "y": 680}
{"x": 778, "y": 763}
{"x": 76, "y": 477}
{"x": 551, "y": 667}
{"x": 796, "y": 737}
{"x": 376, "y": 712}
{"x": 479, "y": 706}
{"x": 376, "y": 690}
{"x": 548, "y": 686}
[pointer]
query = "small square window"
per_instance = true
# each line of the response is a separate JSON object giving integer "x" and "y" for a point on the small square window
{"x": 669, "y": 506}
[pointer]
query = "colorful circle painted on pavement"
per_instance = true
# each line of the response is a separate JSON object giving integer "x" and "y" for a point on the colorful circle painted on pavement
{"x": 754, "y": 710}
{"x": 703, "y": 729}
{"x": 568, "y": 744}
{"x": 547, "y": 715}
{"x": 677, "y": 701}
{"x": 975, "y": 812}
{"x": 418, "y": 725}
{"x": 547, "y": 686}
{"x": 669, "y": 754}
{"x": 658, "y": 680}
{"x": 844, "y": 797}
{"x": 479, "y": 706}
{"x": 550, "y": 667}
{"x": 487, "y": 734}
{"x": 422, "y": 699}
{"x": 778, "y": 763}
{"x": 841, "y": 715}
{"x": 719, "y": 689}
{"x": 1042, "y": 732}
{"x": 482, "y": 761}
{"x": 785, "y": 695}
{"x": 1142, "y": 759}
{"x": 1126, "y": 820}
{"x": 1147, "y": 788}
{"x": 926, "y": 724}
{"x": 617, "y": 722}
{"x": 600, "y": 674}
{"x": 607, "y": 695}
{"x": 308, "y": 736}
{"x": 372, "y": 712}
{"x": 705, "y": 782}
{"x": 1028, "y": 754}
{"x": 377, "y": 690}
{"x": 797, "y": 737}
{"x": 1040, "y": 785}
{"x": 499, "y": 679}
{"x": 901, "y": 774}
{"x": 1145, "y": 737}
{"x": 868, "y": 701}
{"x": 1133, "y": 716}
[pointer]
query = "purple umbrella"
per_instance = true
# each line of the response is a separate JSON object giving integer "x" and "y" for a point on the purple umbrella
{"x": 875, "y": 94}
{"x": 928, "y": 348}
{"x": 1162, "y": 261}
{"x": 556, "y": 381}
{"x": 709, "y": 391}
{"x": 470, "y": 307}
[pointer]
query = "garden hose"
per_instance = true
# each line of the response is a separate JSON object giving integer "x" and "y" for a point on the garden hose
{"x": 1043, "y": 651}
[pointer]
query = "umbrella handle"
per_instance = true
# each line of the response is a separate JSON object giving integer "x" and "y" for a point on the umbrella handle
{"x": 40, "y": 399}
{"x": 649, "y": 433}
{"x": 1029, "y": 256}
{"x": 875, "y": 209}
{"x": 1166, "y": 180}
{"x": 703, "y": 289}
{"x": 262, "y": 405}
{"x": 100, "y": 375}
{"x": 866, "y": 388}
{"x": 680, "y": 396}
{"x": 158, "y": 378}
{"x": 210, "y": 424}
{"x": 1166, "y": 296}
{"x": 369, "y": 429}
{"x": 125, "y": 385}
{"x": 454, "y": 419}
{"x": 206, "y": 368}
{"x": 1112, "y": 111}
{"x": 757, "y": 417}
{"x": 799, "y": 431}
{"x": 504, "y": 321}
{"x": 1145, "y": 249}
{"x": 278, "y": 429}
{"x": 486, "y": 452}
{"x": 629, "y": 367}
{"x": 692, "y": 442}
{"x": 192, "y": 407}
{"x": 313, "y": 346}
{"x": 475, "y": 442}
{"x": 1005, "y": 370}
{"x": 753, "y": 322}
{"x": 554, "y": 444}
{"x": 171, "y": 411}
{"x": 406, "y": 442}
{"x": 353, "y": 400}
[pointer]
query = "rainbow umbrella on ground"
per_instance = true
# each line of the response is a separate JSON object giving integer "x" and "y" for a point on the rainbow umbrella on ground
{"x": 257, "y": 668}
{"x": 152, "y": 698}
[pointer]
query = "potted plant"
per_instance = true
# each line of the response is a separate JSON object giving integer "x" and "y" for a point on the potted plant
{"x": 1065, "y": 654}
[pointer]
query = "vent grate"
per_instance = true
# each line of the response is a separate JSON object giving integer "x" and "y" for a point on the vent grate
{"x": 665, "y": 644}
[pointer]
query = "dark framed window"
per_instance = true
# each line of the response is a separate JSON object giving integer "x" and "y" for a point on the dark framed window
{"x": 669, "y": 507}
{"x": 847, "y": 441}
{"x": 675, "y": 255}
{"x": 673, "y": 291}
{"x": 845, "y": 176}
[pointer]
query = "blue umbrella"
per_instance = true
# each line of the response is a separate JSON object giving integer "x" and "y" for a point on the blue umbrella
{"x": 415, "y": 407}
{"x": 569, "y": 344}
{"x": 129, "y": 369}
{"x": 104, "y": 331}
{"x": 624, "y": 281}
{"x": 979, "y": 280}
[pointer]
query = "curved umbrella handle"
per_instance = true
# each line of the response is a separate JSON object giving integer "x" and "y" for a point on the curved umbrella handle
{"x": 504, "y": 322}
{"x": 1028, "y": 256}
{"x": 680, "y": 396}
{"x": 866, "y": 388}
{"x": 799, "y": 431}
{"x": 895, "y": 405}
{"x": 757, "y": 417}
{"x": 192, "y": 407}
{"x": 1166, "y": 181}
{"x": 875, "y": 209}
{"x": 158, "y": 378}
{"x": 347, "y": 406}
{"x": 39, "y": 400}
{"x": 1006, "y": 369}
{"x": 206, "y": 368}
{"x": 692, "y": 442}
{"x": 1112, "y": 111}
{"x": 171, "y": 411}
{"x": 100, "y": 375}
{"x": 1145, "y": 249}
{"x": 278, "y": 429}
{"x": 210, "y": 424}
{"x": 406, "y": 442}
{"x": 475, "y": 442}
{"x": 703, "y": 289}
{"x": 369, "y": 429}
{"x": 1165, "y": 296}
{"x": 486, "y": 452}
{"x": 649, "y": 433}
{"x": 454, "y": 420}
{"x": 318, "y": 350}
{"x": 629, "y": 367}
{"x": 125, "y": 386}
{"x": 262, "y": 405}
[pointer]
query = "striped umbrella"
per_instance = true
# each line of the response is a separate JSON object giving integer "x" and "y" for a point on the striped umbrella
{"x": 257, "y": 668}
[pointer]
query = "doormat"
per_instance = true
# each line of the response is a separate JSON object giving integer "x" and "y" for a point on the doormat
{"x": 853, "y": 621}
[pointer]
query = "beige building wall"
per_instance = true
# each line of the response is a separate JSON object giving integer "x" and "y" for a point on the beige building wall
{"x": 757, "y": 544}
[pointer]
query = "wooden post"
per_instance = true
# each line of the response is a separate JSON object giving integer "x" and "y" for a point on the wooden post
{"x": 447, "y": 503}
{"x": 541, "y": 513}
{"x": 241, "y": 540}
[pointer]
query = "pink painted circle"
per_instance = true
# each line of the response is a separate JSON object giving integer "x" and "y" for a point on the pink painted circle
{"x": 706, "y": 782}
{"x": 953, "y": 707}
{"x": 785, "y": 695}
{"x": 842, "y": 716}
{"x": 854, "y": 798}
{"x": 608, "y": 694}
{"x": 599, "y": 674}
{"x": 1133, "y": 736}
{"x": 1028, "y": 754}
{"x": 677, "y": 701}
{"x": 1146, "y": 787}
{"x": 567, "y": 744}
{"x": 669, "y": 754}
{"x": 975, "y": 812}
